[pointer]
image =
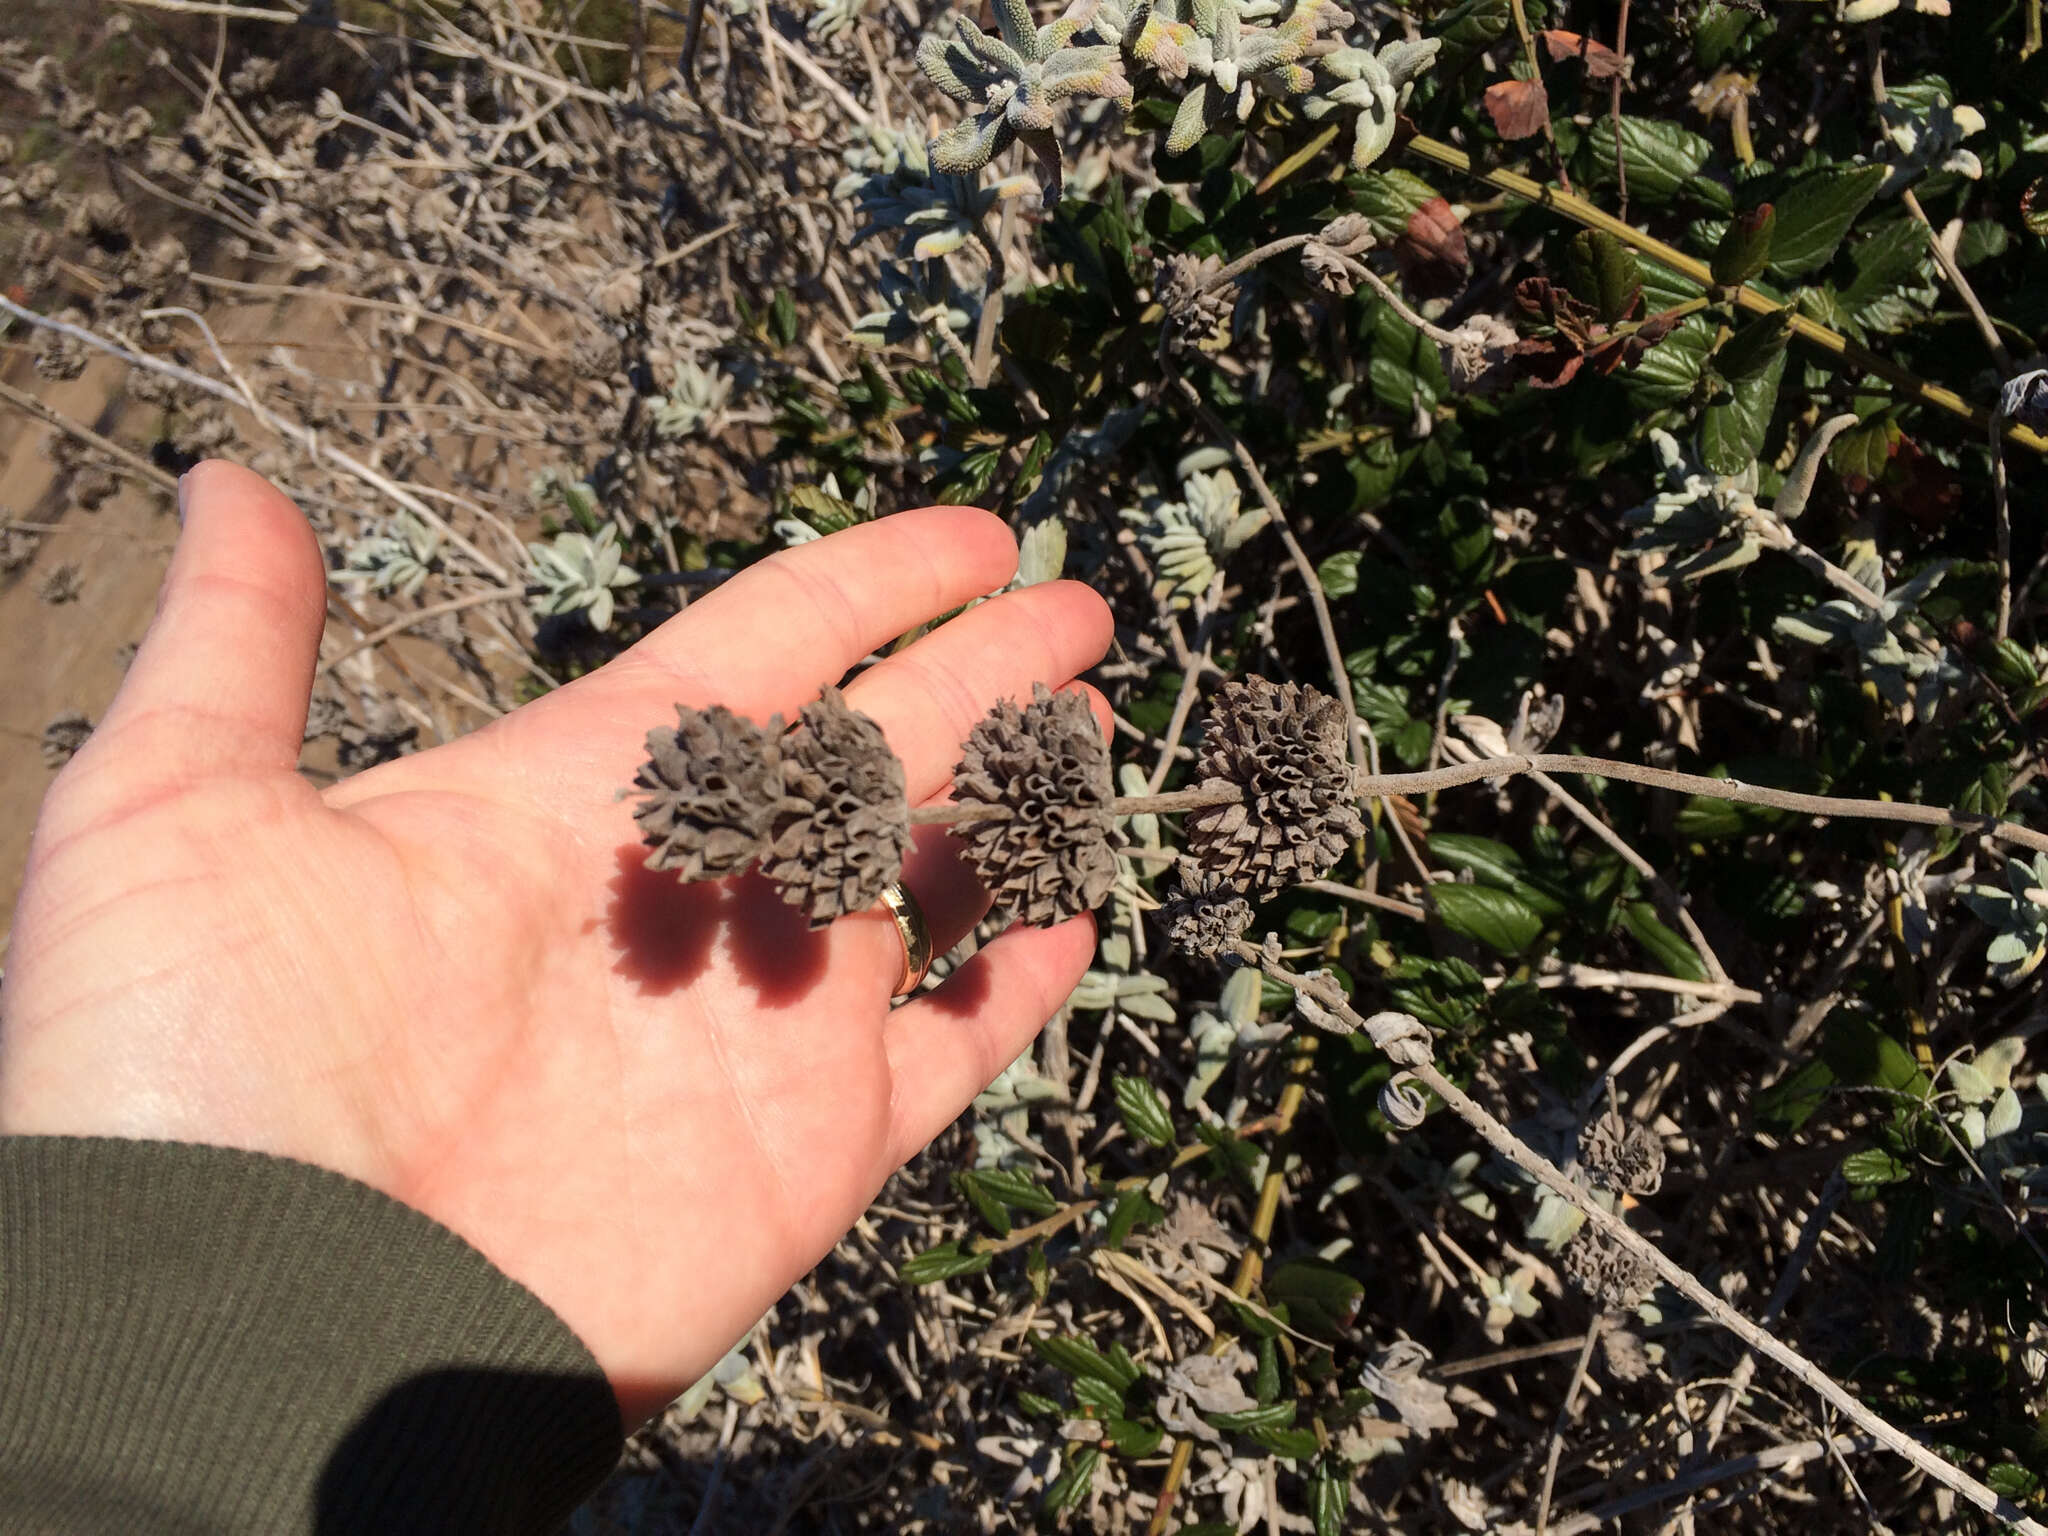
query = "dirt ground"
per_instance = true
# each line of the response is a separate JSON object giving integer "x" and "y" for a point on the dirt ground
{"x": 70, "y": 655}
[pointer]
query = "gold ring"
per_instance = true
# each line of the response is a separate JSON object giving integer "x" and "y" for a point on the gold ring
{"x": 916, "y": 935}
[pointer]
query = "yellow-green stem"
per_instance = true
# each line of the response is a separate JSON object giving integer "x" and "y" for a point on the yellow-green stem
{"x": 1577, "y": 208}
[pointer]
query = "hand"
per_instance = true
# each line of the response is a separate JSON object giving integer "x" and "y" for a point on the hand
{"x": 450, "y": 977}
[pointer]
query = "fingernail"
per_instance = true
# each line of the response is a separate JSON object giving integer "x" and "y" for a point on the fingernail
{"x": 184, "y": 490}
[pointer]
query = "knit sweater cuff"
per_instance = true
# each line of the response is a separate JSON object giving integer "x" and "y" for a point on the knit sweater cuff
{"x": 196, "y": 1338}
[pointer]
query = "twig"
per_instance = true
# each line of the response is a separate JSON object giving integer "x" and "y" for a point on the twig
{"x": 412, "y": 620}
{"x": 1802, "y": 1370}
{"x": 305, "y": 437}
{"x": 1452, "y": 775}
{"x": 1564, "y": 1414}
{"x": 131, "y": 461}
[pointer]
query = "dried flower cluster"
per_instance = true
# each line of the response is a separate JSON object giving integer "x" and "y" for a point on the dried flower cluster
{"x": 1052, "y": 855}
{"x": 1281, "y": 746}
{"x": 820, "y": 807}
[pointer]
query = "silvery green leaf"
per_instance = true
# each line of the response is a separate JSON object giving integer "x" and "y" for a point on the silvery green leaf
{"x": 792, "y": 532}
{"x": 1148, "y": 1005}
{"x": 1144, "y": 825}
{"x": 1971, "y": 1123}
{"x": 2004, "y": 1117}
{"x": 1798, "y": 486}
{"x": 1190, "y": 122}
{"x": 1115, "y": 950}
{"x": 1042, "y": 552}
{"x": 1971, "y": 1085}
{"x": 1244, "y": 527}
{"x": 1407, "y": 58}
{"x": 2004, "y": 949}
{"x": 1095, "y": 991}
{"x": 969, "y": 145}
{"x": 1215, "y": 1042}
{"x": 1727, "y": 555}
{"x": 1241, "y": 997}
{"x": 1794, "y": 628}
{"x": 1197, "y": 460}
{"x": 1997, "y": 1060}
{"x": 936, "y": 56}
{"x": 1553, "y": 1223}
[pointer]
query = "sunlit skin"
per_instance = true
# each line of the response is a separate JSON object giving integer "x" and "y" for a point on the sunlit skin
{"x": 451, "y": 978}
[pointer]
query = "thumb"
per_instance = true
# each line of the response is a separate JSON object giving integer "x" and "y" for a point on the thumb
{"x": 221, "y": 681}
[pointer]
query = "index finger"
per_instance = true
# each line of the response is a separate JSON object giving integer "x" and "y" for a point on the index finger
{"x": 763, "y": 643}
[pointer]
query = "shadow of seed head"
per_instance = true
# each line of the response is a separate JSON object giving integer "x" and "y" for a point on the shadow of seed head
{"x": 841, "y": 824}
{"x": 1282, "y": 746}
{"x": 1054, "y": 855}
{"x": 709, "y": 790}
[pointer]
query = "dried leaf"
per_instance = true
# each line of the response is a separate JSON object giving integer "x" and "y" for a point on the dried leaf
{"x": 1520, "y": 109}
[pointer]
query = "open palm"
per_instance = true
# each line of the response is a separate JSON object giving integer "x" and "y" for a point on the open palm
{"x": 451, "y": 978}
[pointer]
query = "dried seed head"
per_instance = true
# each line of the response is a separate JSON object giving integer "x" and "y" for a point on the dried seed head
{"x": 1054, "y": 855}
{"x": 1621, "y": 1155}
{"x": 710, "y": 788}
{"x": 1195, "y": 311}
{"x": 63, "y": 736}
{"x": 1612, "y": 1276}
{"x": 1282, "y": 746}
{"x": 1479, "y": 359}
{"x": 1207, "y": 916}
{"x": 842, "y": 825}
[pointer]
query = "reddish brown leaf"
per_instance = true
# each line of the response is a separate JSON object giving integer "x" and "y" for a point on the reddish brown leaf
{"x": 1557, "y": 306}
{"x": 1437, "y": 234}
{"x": 1601, "y": 61}
{"x": 1519, "y": 108}
{"x": 1924, "y": 490}
{"x": 1548, "y": 362}
{"x": 1431, "y": 252}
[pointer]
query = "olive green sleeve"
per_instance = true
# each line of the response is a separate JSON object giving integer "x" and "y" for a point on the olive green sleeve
{"x": 195, "y": 1339}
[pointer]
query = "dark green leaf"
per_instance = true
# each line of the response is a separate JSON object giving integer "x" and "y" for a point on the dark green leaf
{"x": 942, "y": 1263}
{"x": 1271, "y": 1416}
{"x": 1339, "y": 573}
{"x": 1077, "y": 1357}
{"x": 1789, "y": 1103}
{"x": 1016, "y": 1189}
{"x": 1665, "y": 947}
{"x": 1496, "y": 918}
{"x": 1132, "y": 1438}
{"x": 1288, "y": 1444}
{"x": 1661, "y": 156}
{"x": 1670, "y": 371}
{"x": 1039, "y": 1407}
{"x": 1071, "y": 1486}
{"x": 1745, "y": 249}
{"x": 1866, "y": 448}
{"x": 1145, "y": 1112}
{"x": 1389, "y": 198}
{"x": 782, "y": 317}
{"x": 1873, "y": 1167}
{"x": 1815, "y": 212}
{"x": 1321, "y": 1298}
{"x": 1861, "y": 1052}
{"x": 2012, "y": 1481}
{"x": 1266, "y": 1385}
{"x": 1132, "y": 1207}
{"x": 1602, "y": 272}
{"x": 986, "y": 1205}
{"x": 1732, "y": 429}
{"x": 1329, "y": 1497}
{"x": 1094, "y": 1393}
{"x": 1755, "y": 343}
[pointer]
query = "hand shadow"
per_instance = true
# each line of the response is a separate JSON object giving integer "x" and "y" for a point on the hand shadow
{"x": 665, "y": 931}
{"x": 663, "y": 928}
